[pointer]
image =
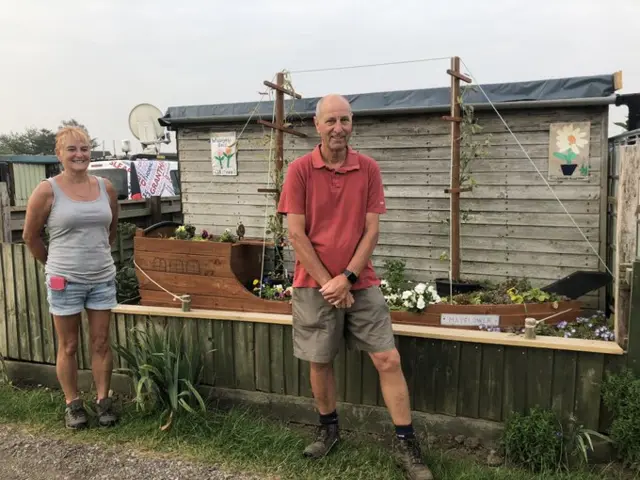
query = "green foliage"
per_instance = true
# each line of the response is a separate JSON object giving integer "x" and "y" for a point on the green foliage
{"x": 593, "y": 327}
{"x": 127, "y": 285}
{"x": 32, "y": 141}
{"x": 511, "y": 291}
{"x": 165, "y": 370}
{"x": 532, "y": 295}
{"x": 533, "y": 441}
{"x": 470, "y": 147}
{"x": 227, "y": 236}
{"x": 36, "y": 141}
{"x": 4, "y": 377}
{"x": 395, "y": 274}
{"x": 538, "y": 442}
{"x": 274, "y": 287}
{"x": 621, "y": 395}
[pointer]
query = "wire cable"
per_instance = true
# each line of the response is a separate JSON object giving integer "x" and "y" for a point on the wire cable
{"x": 534, "y": 165}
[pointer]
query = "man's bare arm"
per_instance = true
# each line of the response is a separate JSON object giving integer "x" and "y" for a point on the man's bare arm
{"x": 38, "y": 209}
{"x": 367, "y": 244}
{"x": 304, "y": 250}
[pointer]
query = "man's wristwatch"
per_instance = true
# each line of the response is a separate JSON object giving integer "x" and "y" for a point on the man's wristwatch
{"x": 352, "y": 277}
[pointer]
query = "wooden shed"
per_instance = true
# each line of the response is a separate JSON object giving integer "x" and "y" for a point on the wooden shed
{"x": 512, "y": 223}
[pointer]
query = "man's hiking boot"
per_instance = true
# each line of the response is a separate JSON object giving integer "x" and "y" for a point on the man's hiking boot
{"x": 408, "y": 456}
{"x": 328, "y": 436}
{"x": 106, "y": 414}
{"x": 75, "y": 416}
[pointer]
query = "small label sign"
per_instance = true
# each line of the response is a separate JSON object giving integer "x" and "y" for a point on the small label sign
{"x": 469, "y": 320}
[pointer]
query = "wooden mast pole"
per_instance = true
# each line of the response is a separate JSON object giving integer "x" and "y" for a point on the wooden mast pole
{"x": 454, "y": 225}
{"x": 454, "y": 190}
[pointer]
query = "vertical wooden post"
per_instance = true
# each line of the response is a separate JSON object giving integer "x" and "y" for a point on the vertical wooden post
{"x": 5, "y": 214}
{"x": 633, "y": 347}
{"x": 279, "y": 111}
{"x": 280, "y": 123}
{"x": 454, "y": 221}
{"x": 155, "y": 209}
{"x": 627, "y": 210}
{"x": 280, "y": 129}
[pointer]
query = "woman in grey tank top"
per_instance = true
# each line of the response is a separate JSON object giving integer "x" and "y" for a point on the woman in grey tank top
{"x": 81, "y": 214}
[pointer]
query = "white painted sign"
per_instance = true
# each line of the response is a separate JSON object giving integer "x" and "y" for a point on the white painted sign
{"x": 224, "y": 153}
{"x": 469, "y": 320}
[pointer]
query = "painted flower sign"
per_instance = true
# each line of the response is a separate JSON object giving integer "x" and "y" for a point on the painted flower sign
{"x": 224, "y": 153}
{"x": 569, "y": 150}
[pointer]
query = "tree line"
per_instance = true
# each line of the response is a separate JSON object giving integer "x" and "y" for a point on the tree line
{"x": 36, "y": 141}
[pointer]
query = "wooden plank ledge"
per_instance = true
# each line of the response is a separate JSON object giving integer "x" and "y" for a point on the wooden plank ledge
{"x": 438, "y": 333}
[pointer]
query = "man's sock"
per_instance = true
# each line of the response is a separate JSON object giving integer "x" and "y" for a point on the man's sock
{"x": 329, "y": 418}
{"x": 405, "y": 432}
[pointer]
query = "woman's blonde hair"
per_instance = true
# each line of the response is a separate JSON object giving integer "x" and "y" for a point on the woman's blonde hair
{"x": 74, "y": 133}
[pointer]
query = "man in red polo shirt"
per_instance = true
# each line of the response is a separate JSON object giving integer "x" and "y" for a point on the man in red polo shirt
{"x": 333, "y": 197}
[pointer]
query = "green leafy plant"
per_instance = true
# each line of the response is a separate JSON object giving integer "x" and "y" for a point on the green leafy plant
{"x": 395, "y": 274}
{"x": 127, "y": 285}
{"x": 538, "y": 441}
{"x": 533, "y": 441}
{"x": 274, "y": 287}
{"x": 227, "y": 236}
{"x": 4, "y": 376}
{"x": 528, "y": 296}
{"x": 578, "y": 442}
{"x": 165, "y": 371}
{"x": 621, "y": 395}
{"x": 470, "y": 147}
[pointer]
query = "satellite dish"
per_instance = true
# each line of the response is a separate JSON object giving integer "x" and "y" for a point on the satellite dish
{"x": 144, "y": 125}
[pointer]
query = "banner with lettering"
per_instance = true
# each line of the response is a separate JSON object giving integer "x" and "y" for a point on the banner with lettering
{"x": 154, "y": 178}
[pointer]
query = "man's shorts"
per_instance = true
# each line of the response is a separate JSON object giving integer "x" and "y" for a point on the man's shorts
{"x": 77, "y": 296}
{"x": 319, "y": 327}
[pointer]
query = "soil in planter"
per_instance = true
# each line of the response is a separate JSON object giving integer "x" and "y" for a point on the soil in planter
{"x": 445, "y": 287}
{"x": 496, "y": 294}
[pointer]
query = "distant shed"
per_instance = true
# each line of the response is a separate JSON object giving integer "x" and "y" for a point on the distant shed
{"x": 512, "y": 223}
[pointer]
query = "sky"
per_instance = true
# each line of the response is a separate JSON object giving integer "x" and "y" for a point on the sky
{"x": 94, "y": 61}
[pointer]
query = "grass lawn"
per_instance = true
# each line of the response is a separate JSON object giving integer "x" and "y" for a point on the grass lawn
{"x": 242, "y": 441}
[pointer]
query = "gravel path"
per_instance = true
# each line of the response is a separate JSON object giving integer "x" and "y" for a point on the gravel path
{"x": 24, "y": 456}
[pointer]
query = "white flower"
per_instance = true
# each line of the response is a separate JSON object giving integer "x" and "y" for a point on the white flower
{"x": 393, "y": 297}
{"x": 432, "y": 290}
{"x": 421, "y": 303}
{"x": 279, "y": 288}
{"x": 384, "y": 283}
{"x": 420, "y": 288}
{"x": 407, "y": 294}
{"x": 407, "y": 304}
{"x": 289, "y": 290}
{"x": 570, "y": 137}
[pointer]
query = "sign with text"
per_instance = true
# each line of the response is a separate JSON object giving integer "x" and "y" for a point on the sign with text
{"x": 224, "y": 153}
{"x": 469, "y": 320}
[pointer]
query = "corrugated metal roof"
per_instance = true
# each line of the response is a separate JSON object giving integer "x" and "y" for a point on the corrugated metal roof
{"x": 585, "y": 89}
{"x": 37, "y": 159}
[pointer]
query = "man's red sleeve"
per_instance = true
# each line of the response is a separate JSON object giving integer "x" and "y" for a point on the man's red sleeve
{"x": 375, "y": 200}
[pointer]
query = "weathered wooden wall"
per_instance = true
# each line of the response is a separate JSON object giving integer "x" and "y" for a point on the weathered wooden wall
{"x": 513, "y": 225}
{"x": 456, "y": 378}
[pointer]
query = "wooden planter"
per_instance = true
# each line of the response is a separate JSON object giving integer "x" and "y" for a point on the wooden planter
{"x": 503, "y": 316}
{"x": 217, "y": 275}
{"x": 220, "y": 275}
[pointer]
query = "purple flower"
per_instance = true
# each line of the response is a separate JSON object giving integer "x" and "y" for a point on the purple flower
{"x": 562, "y": 325}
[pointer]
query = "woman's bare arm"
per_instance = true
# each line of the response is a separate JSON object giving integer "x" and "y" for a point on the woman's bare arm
{"x": 38, "y": 209}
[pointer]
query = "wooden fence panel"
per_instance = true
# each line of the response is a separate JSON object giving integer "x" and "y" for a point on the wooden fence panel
{"x": 454, "y": 378}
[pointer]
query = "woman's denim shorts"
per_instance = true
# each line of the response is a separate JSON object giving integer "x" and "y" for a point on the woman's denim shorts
{"x": 79, "y": 296}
